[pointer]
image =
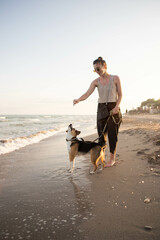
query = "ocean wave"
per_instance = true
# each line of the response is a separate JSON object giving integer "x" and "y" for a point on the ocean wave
{"x": 3, "y": 119}
{"x": 47, "y": 116}
{"x": 12, "y": 144}
{"x": 33, "y": 119}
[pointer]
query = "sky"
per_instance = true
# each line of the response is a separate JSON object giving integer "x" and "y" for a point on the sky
{"x": 47, "y": 49}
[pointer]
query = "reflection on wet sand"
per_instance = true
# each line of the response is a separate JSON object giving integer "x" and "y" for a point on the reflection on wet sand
{"x": 84, "y": 205}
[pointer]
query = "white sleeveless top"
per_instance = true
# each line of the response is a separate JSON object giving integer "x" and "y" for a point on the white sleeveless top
{"x": 103, "y": 91}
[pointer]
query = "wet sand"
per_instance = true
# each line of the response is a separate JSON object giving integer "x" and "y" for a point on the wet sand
{"x": 39, "y": 199}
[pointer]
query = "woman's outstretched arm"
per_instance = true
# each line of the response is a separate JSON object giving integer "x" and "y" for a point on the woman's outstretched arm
{"x": 87, "y": 94}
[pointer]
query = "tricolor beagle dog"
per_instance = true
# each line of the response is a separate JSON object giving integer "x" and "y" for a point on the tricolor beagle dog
{"x": 77, "y": 147}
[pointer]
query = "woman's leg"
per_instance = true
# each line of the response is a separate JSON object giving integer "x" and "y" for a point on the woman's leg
{"x": 113, "y": 139}
{"x": 100, "y": 128}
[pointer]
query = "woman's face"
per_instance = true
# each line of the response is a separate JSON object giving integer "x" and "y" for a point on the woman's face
{"x": 99, "y": 69}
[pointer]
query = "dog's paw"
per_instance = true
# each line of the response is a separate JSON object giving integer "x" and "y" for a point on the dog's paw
{"x": 101, "y": 169}
{"x": 70, "y": 170}
{"x": 92, "y": 172}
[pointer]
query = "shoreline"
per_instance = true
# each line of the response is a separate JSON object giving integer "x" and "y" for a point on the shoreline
{"x": 39, "y": 199}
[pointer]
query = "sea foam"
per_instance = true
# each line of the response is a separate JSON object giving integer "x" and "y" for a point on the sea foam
{"x": 9, "y": 145}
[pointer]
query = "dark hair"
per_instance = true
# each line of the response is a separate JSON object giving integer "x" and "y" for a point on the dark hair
{"x": 100, "y": 60}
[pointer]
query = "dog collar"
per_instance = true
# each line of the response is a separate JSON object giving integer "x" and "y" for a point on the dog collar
{"x": 72, "y": 139}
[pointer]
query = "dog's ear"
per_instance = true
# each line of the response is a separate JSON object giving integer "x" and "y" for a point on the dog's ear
{"x": 78, "y": 132}
{"x": 66, "y": 130}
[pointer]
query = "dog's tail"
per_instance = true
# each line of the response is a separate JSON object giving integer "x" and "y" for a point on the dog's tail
{"x": 103, "y": 147}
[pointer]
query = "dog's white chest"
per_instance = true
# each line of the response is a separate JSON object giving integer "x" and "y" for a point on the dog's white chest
{"x": 69, "y": 137}
{"x": 69, "y": 146}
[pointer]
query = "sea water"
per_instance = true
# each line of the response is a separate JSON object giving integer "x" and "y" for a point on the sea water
{"x": 17, "y": 131}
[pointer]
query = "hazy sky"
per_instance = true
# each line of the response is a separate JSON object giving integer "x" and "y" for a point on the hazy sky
{"x": 47, "y": 48}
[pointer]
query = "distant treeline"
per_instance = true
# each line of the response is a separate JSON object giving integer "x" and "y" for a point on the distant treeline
{"x": 149, "y": 106}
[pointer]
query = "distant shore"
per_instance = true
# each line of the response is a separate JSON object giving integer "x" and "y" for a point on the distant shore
{"x": 39, "y": 199}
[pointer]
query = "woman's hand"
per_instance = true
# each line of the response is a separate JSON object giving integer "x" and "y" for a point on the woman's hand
{"x": 115, "y": 110}
{"x": 75, "y": 101}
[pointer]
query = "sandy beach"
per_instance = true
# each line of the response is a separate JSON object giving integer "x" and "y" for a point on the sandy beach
{"x": 39, "y": 199}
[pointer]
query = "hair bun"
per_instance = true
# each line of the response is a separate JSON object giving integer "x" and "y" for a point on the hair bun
{"x": 100, "y": 60}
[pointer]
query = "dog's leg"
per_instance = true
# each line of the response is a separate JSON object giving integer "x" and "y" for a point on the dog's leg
{"x": 94, "y": 170}
{"x": 97, "y": 161}
{"x": 72, "y": 162}
{"x": 102, "y": 157}
{"x": 95, "y": 165}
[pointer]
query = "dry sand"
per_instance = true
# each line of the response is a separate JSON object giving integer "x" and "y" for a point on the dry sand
{"x": 39, "y": 199}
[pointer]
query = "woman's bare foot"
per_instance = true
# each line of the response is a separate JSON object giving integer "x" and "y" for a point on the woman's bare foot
{"x": 110, "y": 164}
{"x": 111, "y": 161}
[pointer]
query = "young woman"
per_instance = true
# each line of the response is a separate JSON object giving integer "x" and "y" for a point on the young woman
{"x": 110, "y": 95}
